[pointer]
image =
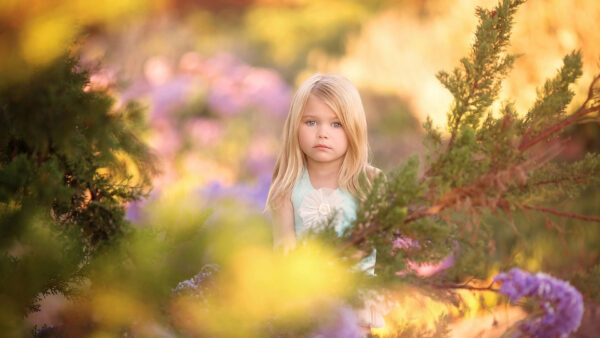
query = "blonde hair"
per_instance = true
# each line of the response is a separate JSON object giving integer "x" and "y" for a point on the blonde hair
{"x": 341, "y": 97}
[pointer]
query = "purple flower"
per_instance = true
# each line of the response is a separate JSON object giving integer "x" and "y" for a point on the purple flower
{"x": 133, "y": 212}
{"x": 424, "y": 269}
{"x": 255, "y": 194}
{"x": 168, "y": 96}
{"x": 430, "y": 269}
{"x": 200, "y": 285}
{"x": 560, "y": 304}
{"x": 343, "y": 325}
{"x": 204, "y": 132}
{"x": 405, "y": 243}
{"x": 259, "y": 159}
{"x": 235, "y": 87}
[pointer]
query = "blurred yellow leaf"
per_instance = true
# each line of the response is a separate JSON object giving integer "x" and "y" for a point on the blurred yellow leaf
{"x": 113, "y": 308}
{"x": 46, "y": 37}
{"x": 90, "y": 11}
{"x": 261, "y": 285}
{"x": 265, "y": 283}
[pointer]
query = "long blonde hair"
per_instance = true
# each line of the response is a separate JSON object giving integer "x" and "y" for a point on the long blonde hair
{"x": 344, "y": 100}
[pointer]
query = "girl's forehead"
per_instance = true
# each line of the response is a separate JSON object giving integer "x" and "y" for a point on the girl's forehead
{"x": 317, "y": 107}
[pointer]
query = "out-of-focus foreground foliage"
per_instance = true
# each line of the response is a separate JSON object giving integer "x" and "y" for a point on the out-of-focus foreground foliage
{"x": 66, "y": 166}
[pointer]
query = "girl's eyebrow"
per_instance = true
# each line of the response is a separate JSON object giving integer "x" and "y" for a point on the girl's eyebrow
{"x": 309, "y": 116}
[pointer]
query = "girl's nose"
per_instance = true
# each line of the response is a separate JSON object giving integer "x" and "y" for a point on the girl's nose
{"x": 322, "y": 133}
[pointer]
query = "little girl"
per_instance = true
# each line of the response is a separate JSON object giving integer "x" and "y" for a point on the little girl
{"x": 324, "y": 152}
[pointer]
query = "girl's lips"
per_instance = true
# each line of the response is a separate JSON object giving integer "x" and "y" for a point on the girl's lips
{"x": 320, "y": 146}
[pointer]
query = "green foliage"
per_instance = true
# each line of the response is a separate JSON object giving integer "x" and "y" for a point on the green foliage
{"x": 67, "y": 166}
{"x": 554, "y": 97}
{"x": 484, "y": 176}
{"x": 588, "y": 282}
{"x": 477, "y": 84}
{"x": 388, "y": 200}
{"x": 561, "y": 180}
{"x": 149, "y": 262}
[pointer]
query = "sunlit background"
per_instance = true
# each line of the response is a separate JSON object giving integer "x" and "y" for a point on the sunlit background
{"x": 215, "y": 79}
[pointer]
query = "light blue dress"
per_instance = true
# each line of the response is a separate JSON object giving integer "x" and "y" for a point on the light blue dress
{"x": 313, "y": 208}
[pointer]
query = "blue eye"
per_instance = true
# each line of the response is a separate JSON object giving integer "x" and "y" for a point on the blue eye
{"x": 311, "y": 123}
{"x": 336, "y": 124}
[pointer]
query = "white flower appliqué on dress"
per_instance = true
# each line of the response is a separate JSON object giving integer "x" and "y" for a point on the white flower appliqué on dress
{"x": 319, "y": 206}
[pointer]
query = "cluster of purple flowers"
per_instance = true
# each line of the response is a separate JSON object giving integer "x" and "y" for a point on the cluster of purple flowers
{"x": 193, "y": 102}
{"x": 344, "y": 324}
{"x": 422, "y": 269}
{"x": 255, "y": 194}
{"x": 560, "y": 303}
{"x": 406, "y": 243}
{"x": 198, "y": 286}
{"x": 234, "y": 86}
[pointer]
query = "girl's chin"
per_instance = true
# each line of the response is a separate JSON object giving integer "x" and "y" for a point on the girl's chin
{"x": 323, "y": 159}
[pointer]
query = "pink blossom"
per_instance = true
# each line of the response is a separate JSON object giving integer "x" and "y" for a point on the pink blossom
{"x": 204, "y": 132}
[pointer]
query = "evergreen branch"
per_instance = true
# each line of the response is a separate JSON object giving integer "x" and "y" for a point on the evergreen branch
{"x": 453, "y": 197}
{"x": 375, "y": 226}
{"x": 555, "y": 95}
{"x": 580, "y": 179}
{"x": 483, "y": 71}
{"x": 464, "y": 287}
{"x": 475, "y": 192}
{"x": 562, "y": 213}
{"x": 576, "y": 179}
{"x": 465, "y": 103}
{"x": 477, "y": 83}
{"x": 582, "y": 111}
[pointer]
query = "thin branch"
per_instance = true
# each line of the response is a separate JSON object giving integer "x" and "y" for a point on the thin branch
{"x": 376, "y": 226}
{"x": 582, "y": 111}
{"x": 576, "y": 179}
{"x": 465, "y": 287}
{"x": 562, "y": 213}
{"x": 476, "y": 189}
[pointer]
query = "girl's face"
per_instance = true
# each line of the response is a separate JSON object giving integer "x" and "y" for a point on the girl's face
{"x": 320, "y": 133}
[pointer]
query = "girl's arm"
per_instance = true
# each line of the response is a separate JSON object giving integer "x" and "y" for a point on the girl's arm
{"x": 284, "y": 236}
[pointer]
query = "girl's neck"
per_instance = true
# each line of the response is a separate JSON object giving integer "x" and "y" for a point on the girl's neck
{"x": 323, "y": 175}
